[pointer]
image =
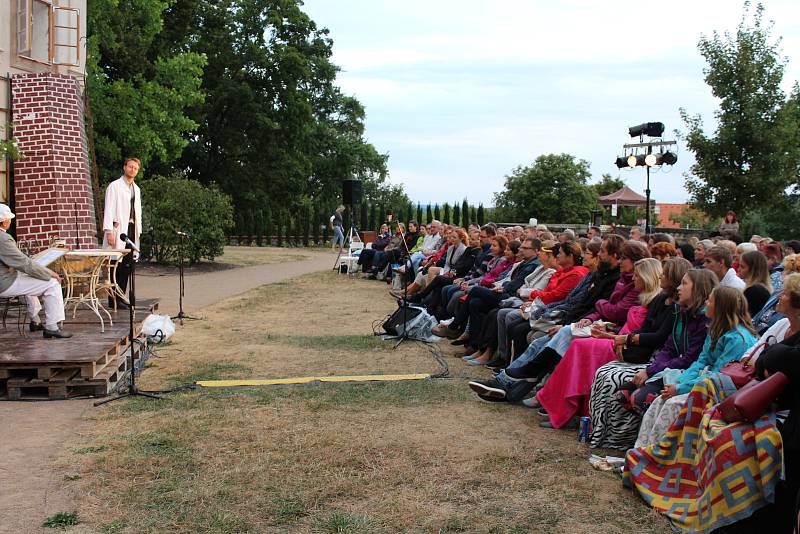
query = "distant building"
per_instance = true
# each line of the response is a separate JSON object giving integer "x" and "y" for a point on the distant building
{"x": 42, "y": 71}
{"x": 665, "y": 211}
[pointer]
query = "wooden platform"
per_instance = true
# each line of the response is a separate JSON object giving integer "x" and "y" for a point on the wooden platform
{"x": 90, "y": 363}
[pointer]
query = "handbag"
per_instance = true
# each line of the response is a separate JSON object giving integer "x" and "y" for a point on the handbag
{"x": 753, "y": 400}
{"x": 742, "y": 372}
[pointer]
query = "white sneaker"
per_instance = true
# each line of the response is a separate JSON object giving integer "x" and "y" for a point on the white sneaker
{"x": 531, "y": 402}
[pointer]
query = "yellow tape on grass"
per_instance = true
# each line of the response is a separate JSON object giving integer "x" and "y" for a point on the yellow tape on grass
{"x": 308, "y": 380}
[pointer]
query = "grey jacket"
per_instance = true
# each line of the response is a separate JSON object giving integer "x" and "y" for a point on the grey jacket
{"x": 13, "y": 260}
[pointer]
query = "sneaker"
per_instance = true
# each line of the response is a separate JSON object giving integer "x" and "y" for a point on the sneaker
{"x": 572, "y": 424}
{"x": 488, "y": 388}
{"x": 490, "y": 400}
{"x": 445, "y": 331}
{"x": 541, "y": 411}
{"x": 532, "y": 402}
{"x": 497, "y": 363}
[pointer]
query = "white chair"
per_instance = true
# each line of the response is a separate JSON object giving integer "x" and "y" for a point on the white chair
{"x": 351, "y": 260}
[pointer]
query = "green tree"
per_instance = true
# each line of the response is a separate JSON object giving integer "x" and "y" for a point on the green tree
{"x": 607, "y": 185}
{"x": 553, "y": 189}
{"x": 464, "y": 213}
{"x": 436, "y": 213}
{"x": 274, "y": 126}
{"x": 456, "y": 214}
{"x": 139, "y": 92}
{"x": 373, "y": 217}
{"x": 690, "y": 217}
{"x": 446, "y": 209}
{"x": 419, "y": 214}
{"x": 752, "y": 156}
{"x": 428, "y": 213}
{"x": 481, "y": 215}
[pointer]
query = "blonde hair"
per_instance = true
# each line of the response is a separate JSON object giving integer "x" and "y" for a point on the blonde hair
{"x": 649, "y": 272}
{"x": 791, "y": 287}
{"x": 791, "y": 264}
{"x": 746, "y": 246}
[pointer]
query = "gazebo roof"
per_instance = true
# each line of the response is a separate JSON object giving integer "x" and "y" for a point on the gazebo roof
{"x": 625, "y": 197}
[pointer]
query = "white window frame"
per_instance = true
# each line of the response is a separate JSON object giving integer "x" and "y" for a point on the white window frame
{"x": 55, "y": 44}
{"x": 24, "y": 17}
{"x": 24, "y": 22}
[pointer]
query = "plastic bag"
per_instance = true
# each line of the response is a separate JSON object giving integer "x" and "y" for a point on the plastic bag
{"x": 158, "y": 327}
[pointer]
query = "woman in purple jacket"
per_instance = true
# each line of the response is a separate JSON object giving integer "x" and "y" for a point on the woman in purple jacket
{"x": 372, "y": 256}
{"x": 615, "y": 427}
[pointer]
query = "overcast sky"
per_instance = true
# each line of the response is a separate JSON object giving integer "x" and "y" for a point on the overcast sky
{"x": 459, "y": 95}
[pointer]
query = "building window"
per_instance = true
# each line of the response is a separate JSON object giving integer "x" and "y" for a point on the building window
{"x": 47, "y": 33}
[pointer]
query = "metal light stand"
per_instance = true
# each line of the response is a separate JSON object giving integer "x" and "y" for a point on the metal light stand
{"x": 649, "y": 146}
{"x": 133, "y": 389}
{"x": 182, "y": 283}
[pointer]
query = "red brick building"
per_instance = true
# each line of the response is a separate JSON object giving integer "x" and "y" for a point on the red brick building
{"x": 50, "y": 188}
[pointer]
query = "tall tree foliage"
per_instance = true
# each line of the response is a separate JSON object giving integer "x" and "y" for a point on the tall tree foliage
{"x": 139, "y": 90}
{"x": 553, "y": 189}
{"x": 752, "y": 156}
{"x": 274, "y": 127}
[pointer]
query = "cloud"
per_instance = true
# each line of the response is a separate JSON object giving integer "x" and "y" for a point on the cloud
{"x": 461, "y": 92}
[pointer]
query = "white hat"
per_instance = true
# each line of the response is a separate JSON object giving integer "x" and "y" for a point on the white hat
{"x": 5, "y": 213}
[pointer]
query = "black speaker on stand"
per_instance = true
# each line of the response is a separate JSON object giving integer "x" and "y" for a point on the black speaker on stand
{"x": 351, "y": 192}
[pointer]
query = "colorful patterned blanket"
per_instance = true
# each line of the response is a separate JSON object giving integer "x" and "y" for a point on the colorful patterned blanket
{"x": 705, "y": 473}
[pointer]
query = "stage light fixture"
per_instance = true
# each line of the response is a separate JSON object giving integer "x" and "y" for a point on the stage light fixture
{"x": 650, "y": 129}
{"x": 621, "y": 162}
{"x": 650, "y": 160}
{"x": 632, "y": 160}
{"x": 669, "y": 158}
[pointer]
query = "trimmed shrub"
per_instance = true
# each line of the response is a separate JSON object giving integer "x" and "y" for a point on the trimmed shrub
{"x": 178, "y": 204}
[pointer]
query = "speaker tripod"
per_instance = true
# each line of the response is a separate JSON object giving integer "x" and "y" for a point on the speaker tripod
{"x": 348, "y": 240}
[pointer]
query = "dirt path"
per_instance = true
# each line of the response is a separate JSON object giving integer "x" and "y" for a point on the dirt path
{"x": 32, "y": 433}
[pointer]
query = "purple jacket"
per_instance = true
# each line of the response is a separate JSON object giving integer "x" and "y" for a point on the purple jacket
{"x": 679, "y": 352}
{"x": 622, "y": 299}
{"x": 381, "y": 242}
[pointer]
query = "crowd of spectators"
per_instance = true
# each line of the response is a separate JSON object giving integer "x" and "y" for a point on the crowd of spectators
{"x": 633, "y": 333}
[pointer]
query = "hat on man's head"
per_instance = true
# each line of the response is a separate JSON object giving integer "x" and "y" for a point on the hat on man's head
{"x": 5, "y": 213}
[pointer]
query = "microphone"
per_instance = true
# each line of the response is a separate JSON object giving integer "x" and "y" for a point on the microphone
{"x": 129, "y": 242}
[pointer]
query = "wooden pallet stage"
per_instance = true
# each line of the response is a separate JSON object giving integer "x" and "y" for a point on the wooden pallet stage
{"x": 89, "y": 364}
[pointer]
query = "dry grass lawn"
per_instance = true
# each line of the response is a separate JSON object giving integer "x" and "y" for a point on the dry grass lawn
{"x": 394, "y": 457}
{"x": 247, "y": 256}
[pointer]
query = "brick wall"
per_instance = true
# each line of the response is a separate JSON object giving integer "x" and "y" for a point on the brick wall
{"x": 52, "y": 189}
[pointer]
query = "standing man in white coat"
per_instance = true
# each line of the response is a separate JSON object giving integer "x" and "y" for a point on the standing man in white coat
{"x": 123, "y": 215}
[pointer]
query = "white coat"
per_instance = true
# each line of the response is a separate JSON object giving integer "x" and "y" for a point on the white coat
{"x": 118, "y": 211}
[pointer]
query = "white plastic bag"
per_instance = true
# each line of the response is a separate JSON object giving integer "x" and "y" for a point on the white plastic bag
{"x": 159, "y": 327}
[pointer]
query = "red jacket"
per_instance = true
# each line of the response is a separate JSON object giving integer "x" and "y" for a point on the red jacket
{"x": 561, "y": 283}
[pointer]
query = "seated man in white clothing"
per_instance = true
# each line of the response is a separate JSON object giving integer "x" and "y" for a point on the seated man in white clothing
{"x": 431, "y": 244}
{"x": 719, "y": 260}
{"x": 20, "y": 276}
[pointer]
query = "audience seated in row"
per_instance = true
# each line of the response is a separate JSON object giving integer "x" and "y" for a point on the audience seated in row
{"x": 634, "y": 334}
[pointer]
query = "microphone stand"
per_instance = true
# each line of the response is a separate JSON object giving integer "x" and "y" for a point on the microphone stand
{"x": 182, "y": 282}
{"x": 133, "y": 389}
{"x": 404, "y": 302}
